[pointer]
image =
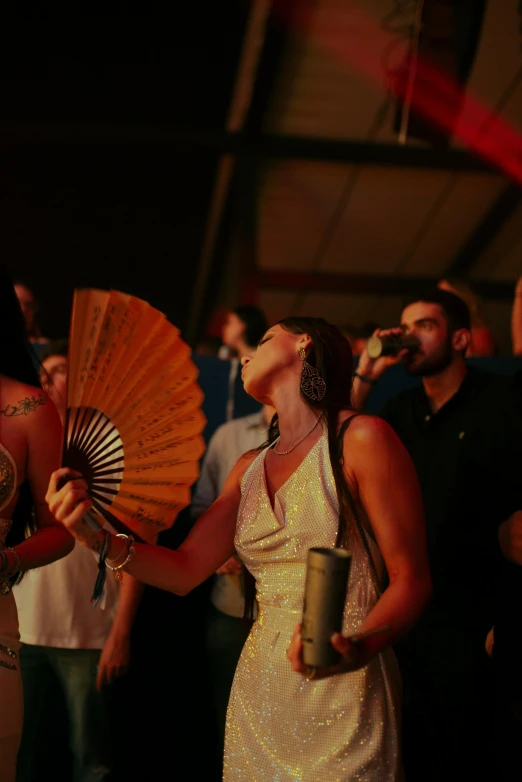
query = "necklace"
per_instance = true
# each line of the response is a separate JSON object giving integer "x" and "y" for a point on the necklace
{"x": 284, "y": 453}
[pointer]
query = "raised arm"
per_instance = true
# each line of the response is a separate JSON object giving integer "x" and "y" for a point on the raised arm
{"x": 370, "y": 370}
{"x": 209, "y": 544}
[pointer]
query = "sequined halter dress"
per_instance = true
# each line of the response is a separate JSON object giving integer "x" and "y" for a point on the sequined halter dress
{"x": 280, "y": 726}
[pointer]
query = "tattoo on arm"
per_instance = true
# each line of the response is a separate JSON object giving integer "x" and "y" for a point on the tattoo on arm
{"x": 24, "y": 406}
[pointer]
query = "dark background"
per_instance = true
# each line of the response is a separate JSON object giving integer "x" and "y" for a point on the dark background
{"x": 110, "y": 120}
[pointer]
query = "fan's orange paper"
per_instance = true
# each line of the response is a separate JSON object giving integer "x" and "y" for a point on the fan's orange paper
{"x": 134, "y": 421}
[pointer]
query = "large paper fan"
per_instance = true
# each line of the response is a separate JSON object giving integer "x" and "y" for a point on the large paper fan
{"x": 134, "y": 420}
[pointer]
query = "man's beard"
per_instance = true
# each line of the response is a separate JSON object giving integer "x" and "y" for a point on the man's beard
{"x": 433, "y": 365}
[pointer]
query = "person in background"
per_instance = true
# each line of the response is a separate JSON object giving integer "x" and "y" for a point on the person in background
{"x": 29, "y": 307}
{"x": 227, "y": 626}
{"x": 54, "y": 374}
{"x": 67, "y": 644}
{"x": 505, "y": 638}
{"x": 505, "y": 645}
{"x": 208, "y": 346}
{"x": 351, "y": 333}
{"x": 241, "y": 332}
{"x": 357, "y": 336}
{"x": 516, "y": 319}
{"x": 459, "y": 428}
{"x": 30, "y": 448}
{"x": 482, "y": 338}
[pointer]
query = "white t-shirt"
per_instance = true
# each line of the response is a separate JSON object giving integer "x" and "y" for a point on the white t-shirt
{"x": 54, "y": 603}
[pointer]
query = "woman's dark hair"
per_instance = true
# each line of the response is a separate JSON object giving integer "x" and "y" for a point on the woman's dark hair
{"x": 17, "y": 358}
{"x": 255, "y": 323}
{"x": 18, "y": 361}
{"x": 331, "y": 356}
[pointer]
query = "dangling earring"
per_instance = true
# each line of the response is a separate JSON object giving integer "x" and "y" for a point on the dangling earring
{"x": 312, "y": 384}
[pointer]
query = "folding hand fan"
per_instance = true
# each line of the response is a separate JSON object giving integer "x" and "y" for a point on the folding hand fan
{"x": 134, "y": 423}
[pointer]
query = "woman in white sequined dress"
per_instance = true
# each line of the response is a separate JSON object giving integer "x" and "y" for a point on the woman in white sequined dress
{"x": 316, "y": 483}
{"x": 30, "y": 445}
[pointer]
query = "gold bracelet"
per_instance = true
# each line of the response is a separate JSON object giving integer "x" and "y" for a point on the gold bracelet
{"x": 121, "y": 554}
{"x": 131, "y": 553}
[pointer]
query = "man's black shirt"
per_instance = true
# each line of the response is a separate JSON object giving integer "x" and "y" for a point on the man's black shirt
{"x": 467, "y": 457}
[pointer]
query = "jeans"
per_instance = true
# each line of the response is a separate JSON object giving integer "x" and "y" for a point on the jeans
{"x": 75, "y": 672}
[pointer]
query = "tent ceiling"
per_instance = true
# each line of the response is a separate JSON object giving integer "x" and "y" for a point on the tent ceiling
{"x": 338, "y": 218}
{"x": 334, "y": 218}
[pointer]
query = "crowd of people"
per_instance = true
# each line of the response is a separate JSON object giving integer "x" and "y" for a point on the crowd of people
{"x": 204, "y": 632}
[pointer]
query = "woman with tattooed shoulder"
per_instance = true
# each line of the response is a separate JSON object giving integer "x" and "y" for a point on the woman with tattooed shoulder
{"x": 30, "y": 445}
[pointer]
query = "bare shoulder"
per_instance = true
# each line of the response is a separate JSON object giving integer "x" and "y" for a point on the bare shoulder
{"x": 246, "y": 460}
{"x": 369, "y": 430}
{"x": 370, "y": 441}
{"x": 371, "y": 447}
{"x": 233, "y": 482}
{"x": 21, "y": 400}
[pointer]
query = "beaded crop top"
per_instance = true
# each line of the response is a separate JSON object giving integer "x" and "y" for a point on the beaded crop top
{"x": 7, "y": 478}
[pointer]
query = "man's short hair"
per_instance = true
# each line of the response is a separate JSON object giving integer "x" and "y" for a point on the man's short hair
{"x": 456, "y": 311}
{"x": 56, "y": 347}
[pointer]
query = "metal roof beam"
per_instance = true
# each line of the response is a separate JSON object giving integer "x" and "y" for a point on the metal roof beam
{"x": 274, "y": 18}
{"x": 468, "y": 256}
{"x": 369, "y": 153}
{"x": 368, "y": 284}
{"x": 221, "y": 217}
{"x": 259, "y": 144}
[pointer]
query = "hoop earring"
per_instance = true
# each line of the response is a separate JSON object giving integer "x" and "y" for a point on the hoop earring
{"x": 312, "y": 384}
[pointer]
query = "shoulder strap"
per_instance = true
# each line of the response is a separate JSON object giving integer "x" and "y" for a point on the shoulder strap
{"x": 342, "y": 432}
{"x": 362, "y": 533}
